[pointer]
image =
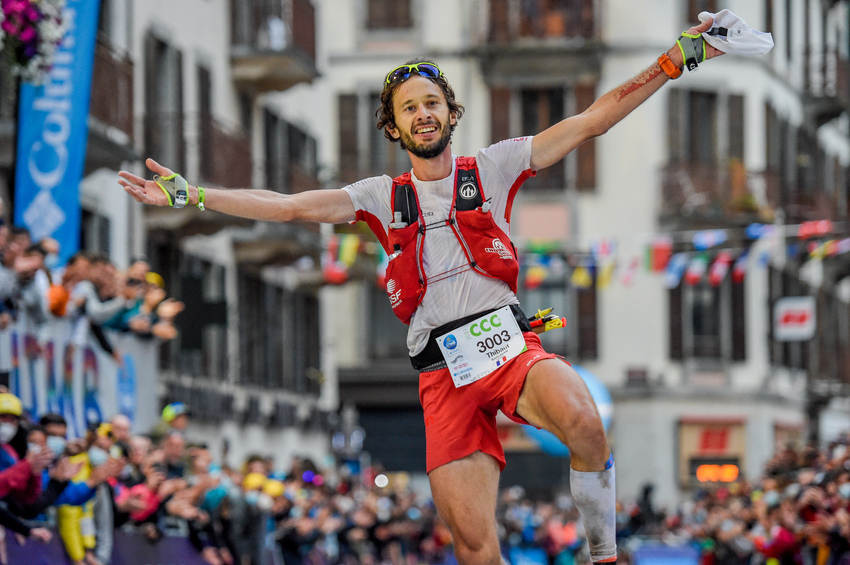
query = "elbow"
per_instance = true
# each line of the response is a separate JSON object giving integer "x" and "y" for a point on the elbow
{"x": 599, "y": 127}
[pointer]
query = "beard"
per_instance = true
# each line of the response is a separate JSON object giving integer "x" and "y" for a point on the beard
{"x": 426, "y": 150}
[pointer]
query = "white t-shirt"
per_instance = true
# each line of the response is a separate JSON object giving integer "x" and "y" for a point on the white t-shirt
{"x": 454, "y": 289}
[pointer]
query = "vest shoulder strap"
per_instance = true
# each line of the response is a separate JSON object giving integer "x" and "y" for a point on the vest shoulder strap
{"x": 468, "y": 194}
{"x": 404, "y": 199}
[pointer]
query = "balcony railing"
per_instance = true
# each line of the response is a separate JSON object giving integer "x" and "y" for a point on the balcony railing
{"x": 541, "y": 19}
{"x": 827, "y": 84}
{"x": 112, "y": 89}
{"x": 273, "y": 43}
{"x": 225, "y": 155}
{"x": 714, "y": 191}
{"x": 807, "y": 205}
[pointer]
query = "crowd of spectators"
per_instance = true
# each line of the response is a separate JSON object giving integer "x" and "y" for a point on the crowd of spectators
{"x": 88, "y": 290}
{"x": 156, "y": 484}
{"x": 797, "y": 513}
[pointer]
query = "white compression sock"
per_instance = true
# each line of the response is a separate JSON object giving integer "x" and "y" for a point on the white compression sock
{"x": 595, "y": 497}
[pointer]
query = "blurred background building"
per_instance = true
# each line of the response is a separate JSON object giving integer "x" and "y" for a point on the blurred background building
{"x": 722, "y": 170}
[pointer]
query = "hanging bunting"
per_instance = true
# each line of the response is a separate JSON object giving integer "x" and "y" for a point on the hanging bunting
{"x": 658, "y": 254}
{"x": 348, "y": 246}
{"x": 627, "y": 278}
{"x": 606, "y": 275}
{"x": 334, "y": 270}
{"x": 581, "y": 277}
{"x": 719, "y": 268}
{"x": 675, "y": 269}
{"x": 707, "y": 239}
{"x": 814, "y": 228}
{"x": 696, "y": 269}
{"x": 739, "y": 270}
{"x": 757, "y": 231}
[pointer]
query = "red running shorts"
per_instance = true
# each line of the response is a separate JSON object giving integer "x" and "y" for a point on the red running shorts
{"x": 461, "y": 421}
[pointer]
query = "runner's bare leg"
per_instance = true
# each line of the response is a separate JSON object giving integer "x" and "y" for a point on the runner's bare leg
{"x": 555, "y": 398}
{"x": 465, "y": 493}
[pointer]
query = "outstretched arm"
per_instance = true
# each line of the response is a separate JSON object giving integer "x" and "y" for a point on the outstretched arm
{"x": 328, "y": 206}
{"x": 553, "y": 144}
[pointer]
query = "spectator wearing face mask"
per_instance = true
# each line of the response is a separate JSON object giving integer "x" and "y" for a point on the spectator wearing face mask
{"x": 20, "y": 478}
{"x": 77, "y": 522}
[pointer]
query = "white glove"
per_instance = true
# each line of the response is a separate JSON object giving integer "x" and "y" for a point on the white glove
{"x": 731, "y": 34}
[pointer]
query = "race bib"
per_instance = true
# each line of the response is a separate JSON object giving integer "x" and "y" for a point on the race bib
{"x": 480, "y": 347}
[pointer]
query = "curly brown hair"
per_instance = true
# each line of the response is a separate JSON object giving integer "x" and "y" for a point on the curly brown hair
{"x": 386, "y": 114}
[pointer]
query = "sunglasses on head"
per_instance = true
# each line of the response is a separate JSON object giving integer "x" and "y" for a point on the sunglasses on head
{"x": 402, "y": 73}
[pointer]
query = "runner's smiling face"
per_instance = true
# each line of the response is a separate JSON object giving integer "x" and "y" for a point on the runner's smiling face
{"x": 422, "y": 119}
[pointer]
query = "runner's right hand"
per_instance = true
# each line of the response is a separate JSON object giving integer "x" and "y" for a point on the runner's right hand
{"x": 146, "y": 191}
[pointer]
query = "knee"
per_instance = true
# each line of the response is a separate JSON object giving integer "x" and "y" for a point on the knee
{"x": 588, "y": 440}
{"x": 584, "y": 422}
{"x": 468, "y": 552}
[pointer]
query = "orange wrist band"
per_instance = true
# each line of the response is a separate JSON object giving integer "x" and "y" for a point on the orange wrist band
{"x": 669, "y": 68}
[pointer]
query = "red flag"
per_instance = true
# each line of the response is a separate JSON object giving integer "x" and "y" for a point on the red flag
{"x": 719, "y": 268}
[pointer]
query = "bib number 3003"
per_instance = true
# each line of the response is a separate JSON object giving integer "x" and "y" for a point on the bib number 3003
{"x": 492, "y": 342}
{"x": 480, "y": 347}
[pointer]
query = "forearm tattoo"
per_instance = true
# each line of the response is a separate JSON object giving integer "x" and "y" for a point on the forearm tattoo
{"x": 642, "y": 79}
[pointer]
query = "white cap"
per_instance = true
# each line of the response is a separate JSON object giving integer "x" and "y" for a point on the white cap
{"x": 731, "y": 34}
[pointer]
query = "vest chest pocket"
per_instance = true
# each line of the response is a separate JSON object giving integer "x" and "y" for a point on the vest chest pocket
{"x": 405, "y": 283}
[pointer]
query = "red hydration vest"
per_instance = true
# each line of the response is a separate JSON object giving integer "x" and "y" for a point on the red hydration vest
{"x": 487, "y": 248}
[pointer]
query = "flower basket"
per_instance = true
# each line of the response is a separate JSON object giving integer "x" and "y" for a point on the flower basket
{"x": 30, "y": 32}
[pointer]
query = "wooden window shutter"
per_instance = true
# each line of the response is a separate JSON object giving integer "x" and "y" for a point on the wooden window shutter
{"x": 500, "y": 113}
{"x": 739, "y": 321}
{"x": 348, "y": 155}
{"x": 586, "y": 153}
{"x": 675, "y": 125}
{"x": 676, "y": 347}
{"x": 587, "y": 322}
{"x": 736, "y": 127}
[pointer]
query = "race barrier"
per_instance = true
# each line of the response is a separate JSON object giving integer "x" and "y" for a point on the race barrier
{"x": 53, "y": 370}
{"x": 130, "y": 549}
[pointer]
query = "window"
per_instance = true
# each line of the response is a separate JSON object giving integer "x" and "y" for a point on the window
{"x": 95, "y": 234}
{"x": 201, "y": 345}
{"x": 388, "y": 14}
{"x": 164, "y": 103}
{"x": 279, "y": 336}
{"x": 789, "y": 30}
{"x": 768, "y": 16}
{"x": 363, "y": 149}
{"x": 528, "y": 111}
{"x": 275, "y": 151}
{"x": 708, "y": 322}
{"x": 791, "y": 354}
{"x": 702, "y": 127}
{"x": 290, "y": 154}
{"x": 104, "y": 21}
{"x": 206, "y": 135}
{"x": 697, "y": 6}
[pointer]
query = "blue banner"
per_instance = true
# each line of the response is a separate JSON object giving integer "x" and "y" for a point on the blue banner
{"x": 52, "y": 132}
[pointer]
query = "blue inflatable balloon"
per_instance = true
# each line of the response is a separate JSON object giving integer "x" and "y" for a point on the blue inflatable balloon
{"x": 549, "y": 442}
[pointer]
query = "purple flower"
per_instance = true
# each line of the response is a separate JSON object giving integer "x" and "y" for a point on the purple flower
{"x": 30, "y": 50}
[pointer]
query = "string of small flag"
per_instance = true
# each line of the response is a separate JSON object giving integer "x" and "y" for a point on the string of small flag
{"x": 709, "y": 255}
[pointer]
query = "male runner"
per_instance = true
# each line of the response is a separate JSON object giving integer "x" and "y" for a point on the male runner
{"x": 452, "y": 276}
